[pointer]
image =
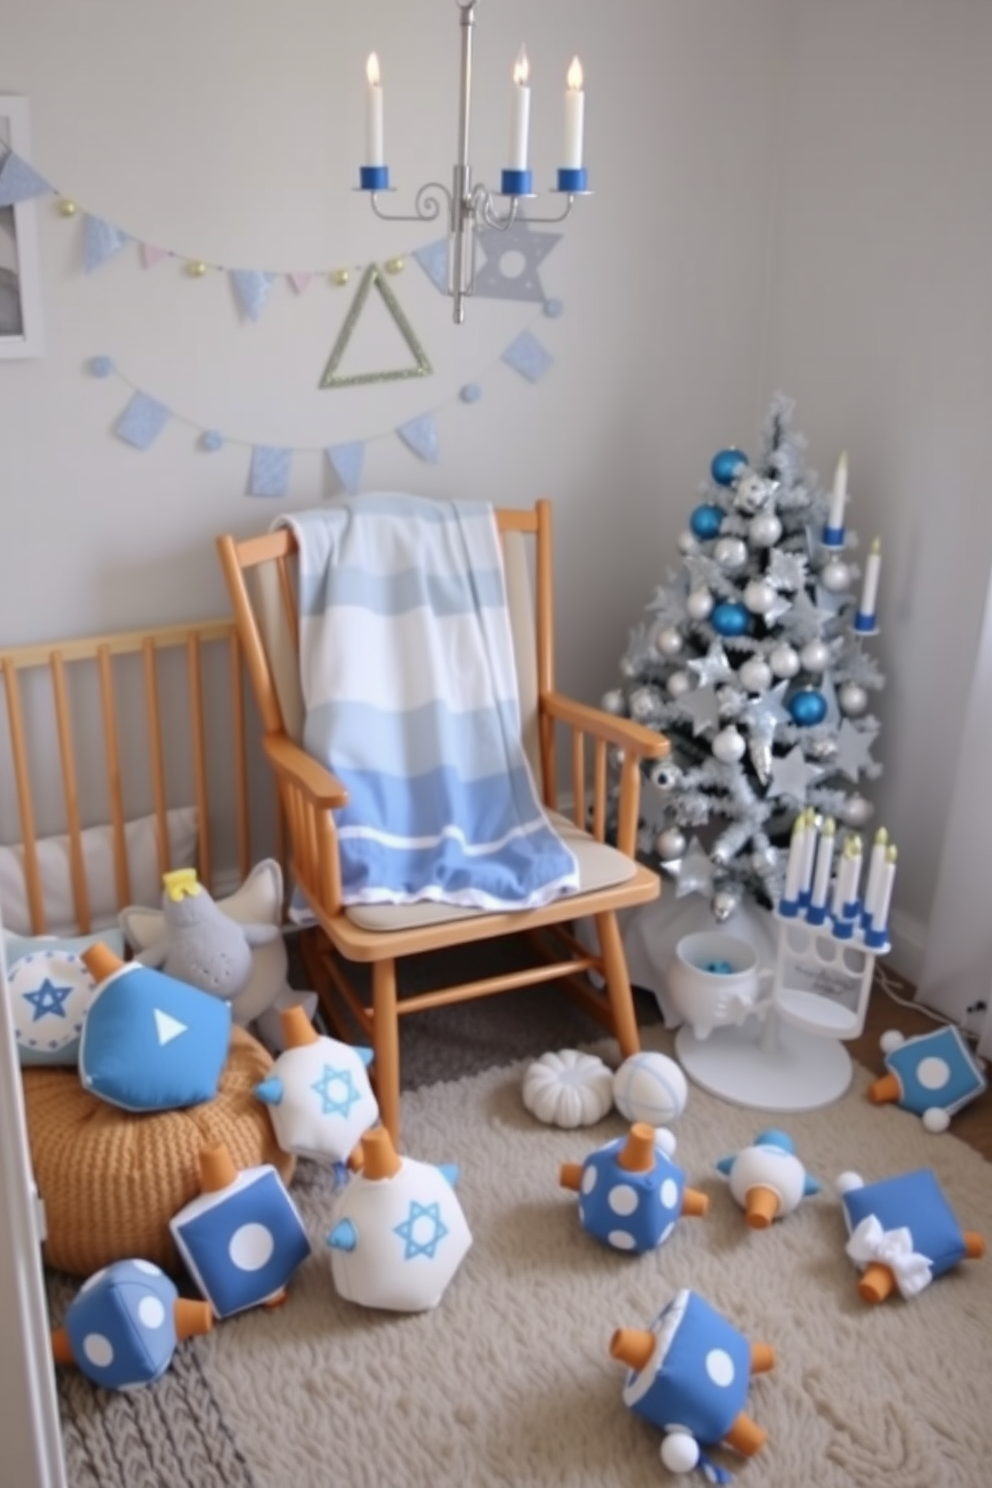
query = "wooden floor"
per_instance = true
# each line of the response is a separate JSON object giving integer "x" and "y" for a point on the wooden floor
{"x": 973, "y": 1124}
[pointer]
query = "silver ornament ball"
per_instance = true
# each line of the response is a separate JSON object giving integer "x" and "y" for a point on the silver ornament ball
{"x": 784, "y": 661}
{"x": 835, "y": 576}
{"x": 642, "y": 704}
{"x": 678, "y": 684}
{"x": 670, "y": 844}
{"x": 853, "y": 699}
{"x": 729, "y": 746}
{"x": 759, "y": 596}
{"x": 699, "y": 604}
{"x": 730, "y": 553}
{"x": 815, "y": 656}
{"x": 764, "y": 860}
{"x": 628, "y": 667}
{"x": 614, "y": 702}
{"x": 765, "y": 530}
{"x": 669, "y": 641}
{"x": 688, "y": 544}
{"x": 855, "y": 811}
{"x": 755, "y": 674}
{"x": 724, "y": 902}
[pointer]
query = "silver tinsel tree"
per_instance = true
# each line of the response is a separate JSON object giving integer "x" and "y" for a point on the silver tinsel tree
{"x": 751, "y": 660}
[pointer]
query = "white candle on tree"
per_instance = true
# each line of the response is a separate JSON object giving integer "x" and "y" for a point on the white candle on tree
{"x": 838, "y": 496}
{"x": 520, "y": 113}
{"x": 869, "y": 589}
{"x": 575, "y": 102}
{"x": 794, "y": 866}
{"x": 374, "y": 142}
{"x": 880, "y": 913}
{"x": 809, "y": 850}
{"x": 875, "y": 865}
{"x": 824, "y": 863}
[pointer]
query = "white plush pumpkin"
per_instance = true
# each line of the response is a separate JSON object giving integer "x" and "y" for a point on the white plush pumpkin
{"x": 568, "y": 1088}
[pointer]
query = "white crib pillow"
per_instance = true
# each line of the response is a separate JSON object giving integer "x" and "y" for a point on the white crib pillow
{"x": 50, "y": 992}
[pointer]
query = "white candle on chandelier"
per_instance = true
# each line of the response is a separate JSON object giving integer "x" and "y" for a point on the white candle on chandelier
{"x": 869, "y": 589}
{"x": 809, "y": 852}
{"x": 838, "y": 496}
{"x": 575, "y": 102}
{"x": 880, "y": 912}
{"x": 876, "y": 863}
{"x": 824, "y": 864}
{"x": 794, "y": 866}
{"x": 520, "y": 113}
{"x": 374, "y": 142}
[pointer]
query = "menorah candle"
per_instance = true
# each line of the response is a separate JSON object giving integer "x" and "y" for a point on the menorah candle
{"x": 809, "y": 851}
{"x": 833, "y": 533}
{"x": 374, "y": 141}
{"x": 846, "y": 888}
{"x": 864, "y": 620}
{"x": 575, "y": 100}
{"x": 877, "y": 935}
{"x": 519, "y": 113}
{"x": 789, "y": 902}
{"x": 817, "y": 911}
{"x": 875, "y": 865}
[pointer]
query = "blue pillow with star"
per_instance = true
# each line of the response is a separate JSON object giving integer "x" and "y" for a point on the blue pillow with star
{"x": 50, "y": 992}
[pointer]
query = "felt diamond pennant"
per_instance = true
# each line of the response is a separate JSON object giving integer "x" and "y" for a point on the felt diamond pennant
{"x": 346, "y": 462}
{"x": 299, "y": 281}
{"x": 19, "y": 181}
{"x": 269, "y": 470}
{"x": 433, "y": 259}
{"x": 142, "y": 421}
{"x": 102, "y": 241}
{"x": 421, "y": 436}
{"x": 253, "y": 287}
{"x": 527, "y": 356}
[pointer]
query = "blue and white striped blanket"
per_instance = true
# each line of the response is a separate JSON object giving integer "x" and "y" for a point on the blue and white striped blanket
{"x": 410, "y": 696}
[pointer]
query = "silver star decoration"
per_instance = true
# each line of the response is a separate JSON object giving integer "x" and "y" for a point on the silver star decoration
{"x": 695, "y": 872}
{"x": 777, "y": 610}
{"x": 771, "y": 704}
{"x": 703, "y": 573}
{"x": 830, "y": 602}
{"x": 732, "y": 702}
{"x": 702, "y": 707}
{"x": 668, "y": 600}
{"x": 854, "y": 749}
{"x": 491, "y": 283}
{"x": 829, "y": 691}
{"x": 786, "y": 570}
{"x": 713, "y": 667}
{"x": 792, "y": 775}
{"x": 806, "y": 621}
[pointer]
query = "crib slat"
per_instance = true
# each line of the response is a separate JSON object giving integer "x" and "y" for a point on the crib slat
{"x": 25, "y": 806}
{"x": 241, "y": 807}
{"x": 195, "y": 680}
{"x": 67, "y": 754}
{"x": 155, "y": 760}
{"x": 122, "y": 868}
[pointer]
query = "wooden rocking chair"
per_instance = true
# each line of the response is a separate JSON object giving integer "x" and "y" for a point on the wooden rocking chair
{"x": 260, "y": 574}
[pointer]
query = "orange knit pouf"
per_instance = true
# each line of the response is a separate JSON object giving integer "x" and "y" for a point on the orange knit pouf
{"x": 111, "y": 1180}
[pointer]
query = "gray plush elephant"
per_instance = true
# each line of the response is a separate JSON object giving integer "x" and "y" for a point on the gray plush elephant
{"x": 202, "y": 945}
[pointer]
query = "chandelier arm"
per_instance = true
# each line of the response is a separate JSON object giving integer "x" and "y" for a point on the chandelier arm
{"x": 431, "y": 197}
{"x": 569, "y": 204}
{"x": 487, "y": 212}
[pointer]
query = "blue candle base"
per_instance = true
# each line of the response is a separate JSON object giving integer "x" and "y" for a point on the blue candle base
{"x": 788, "y": 908}
{"x": 572, "y": 179}
{"x": 373, "y": 177}
{"x": 517, "y": 183}
{"x": 865, "y": 624}
{"x": 816, "y": 915}
{"x": 833, "y": 537}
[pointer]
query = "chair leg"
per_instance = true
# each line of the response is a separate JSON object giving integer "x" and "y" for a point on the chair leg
{"x": 386, "y": 1043}
{"x": 618, "y": 984}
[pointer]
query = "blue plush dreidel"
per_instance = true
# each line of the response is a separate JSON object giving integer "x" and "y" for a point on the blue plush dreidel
{"x": 767, "y": 1179}
{"x": 902, "y": 1233}
{"x": 150, "y": 1042}
{"x": 932, "y": 1075}
{"x": 631, "y": 1194}
{"x": 689, "y": 1375}
{"x": 122, "y": 1327}
{"x": 242, "y": 1237}
{"x": 398, "y": 1233}
{"x": 318, "y": 1092}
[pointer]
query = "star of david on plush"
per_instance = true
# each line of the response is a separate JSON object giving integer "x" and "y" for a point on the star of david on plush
{"x": 48, "y": 999}
{"x": 427, "y": 1215}
{"x": 340, "y": 1104}
{"x": 491, "y": 280}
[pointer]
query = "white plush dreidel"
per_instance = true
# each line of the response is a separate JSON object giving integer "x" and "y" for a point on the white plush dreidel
{"x": 398, "y": 1233}
{"x": 242, "y": 1237}
{"x": 767, "y": 1179}
{"x": 318, "y": 1092}
{"x": 122, "y": 1327}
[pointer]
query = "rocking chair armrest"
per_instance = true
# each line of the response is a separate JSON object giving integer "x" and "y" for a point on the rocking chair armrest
{"x": 311, "y": 777}
{"x": 623, "y": 732}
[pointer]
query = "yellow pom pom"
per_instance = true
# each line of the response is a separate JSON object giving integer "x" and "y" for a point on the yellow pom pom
{"x": 340, "y": 276}
{"x": 394, "y": 265}
{"x": 67, "y": 208}
{"x": 196, "y": 269}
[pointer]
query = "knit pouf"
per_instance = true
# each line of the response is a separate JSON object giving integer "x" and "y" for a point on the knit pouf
{"x": 111, "y": 1181}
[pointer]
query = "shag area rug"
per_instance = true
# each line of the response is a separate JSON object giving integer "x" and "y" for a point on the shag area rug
{"x": 510, "y": 1381}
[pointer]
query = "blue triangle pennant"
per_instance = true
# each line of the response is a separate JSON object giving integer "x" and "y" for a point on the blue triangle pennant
{"x": 103, "y": 240}
{"x": 346, "y": 462}
{"x": 269, "y": 470}
{"x": 253, "y": 287}
{"x": 433, "y": 259}
{"x": 19, "y": 181}
{"x": 421, "y": 436}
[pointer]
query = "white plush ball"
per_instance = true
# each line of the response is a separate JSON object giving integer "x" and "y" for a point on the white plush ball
{"x": 679, "y": 1452}
{"x": 936, "y": 1119}
{"x": 650, "y": 1087}
{"x": 848, "y": 1182}
{"x": 890, "y": 1040}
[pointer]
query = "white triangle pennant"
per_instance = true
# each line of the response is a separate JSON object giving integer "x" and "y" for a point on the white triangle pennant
{"x": 167, "y": 1027}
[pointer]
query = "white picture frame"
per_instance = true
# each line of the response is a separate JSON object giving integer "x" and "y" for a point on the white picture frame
{"x": 20, "y": 281}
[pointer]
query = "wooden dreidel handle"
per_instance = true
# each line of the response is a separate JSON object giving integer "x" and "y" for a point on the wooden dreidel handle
{"x": 746, "y": 1436}
{"x": 761, "y": 1205}
{"x": 61, "y": 1347}
{"x": 192, "y": 1317}
{"x": 100, "y": 961}
{"x": 886, "y": 1088}
{"x": 217, "y": 1170}
{"x": 632, "y": 1346}
{"x": 570, "y": 1176}
{"x": 762, "y": 1358}
{"x": 297, "y": 1030}
{"x": 638, "y": 1154}
{"x": 974, "y": 1245}
{"x": 877, "y": 1282}
{"x": 379, "y": 1156}
{"x": 695, "y": 1203}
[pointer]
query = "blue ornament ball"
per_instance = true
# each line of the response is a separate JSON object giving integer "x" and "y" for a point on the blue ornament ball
{"x": 725, "y": 465}
{"x": 706, "y": 522}
{"x": 808, "y": 707}
{"x": 730, "y": 619}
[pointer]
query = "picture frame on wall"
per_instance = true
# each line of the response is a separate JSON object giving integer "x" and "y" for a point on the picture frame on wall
{"x": 20, "y": 282}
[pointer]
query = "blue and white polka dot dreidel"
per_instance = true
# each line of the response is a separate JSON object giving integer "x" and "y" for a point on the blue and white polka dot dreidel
{"x": 631, "y": 1194}
{"x": 932, "y": 1075}
{"x": 242, "y": 1238}
{"x": 318, "y": 1092}
{"x": 122, "y": 1327}
{"x": 398, "y": 1233}
{"x": 693, "y": 1367}
{"x": 767, "y": 1179}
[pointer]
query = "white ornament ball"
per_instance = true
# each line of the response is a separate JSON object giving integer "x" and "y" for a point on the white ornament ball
{"x": 784, "y": 661}
{"x": 669, "y": 641}
{"x": 765, "y": 530}
{"x": 853, "y": 699}
{"x": 725, "y": 902}
{"x": 628, "y": 667}
{"x": 650, "y": 1087}
{"x": 614, "y": 702}
{"x": 835, "y": 576}
{"x": 568, "y": 1089}
{"x": 815, "y": 656}
{"x": 678, "y": 683}
{"x": 670, "y": 844}
{"x": 679, "y": 1452}
{"x": 936, "y": 1119}
{"x": 759, "y": 596}
{"x": 642, "y": 704}
{"x": 688, "y": 544}
{"x": 664, "y": 1141}
{"x": 891, "y": 1040}
{"x": 729, "y": 745}
{"x": 730, "y": 553}
{"x": 699, "y": 604}
{"x": 755, "y": 674}
{"x": 855, "y": 811}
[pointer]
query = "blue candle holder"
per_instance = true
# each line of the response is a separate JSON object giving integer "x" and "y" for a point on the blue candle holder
{"x": 816, "y": 914}
{"x": 572, "y": 179}
{"x": 373, "y": 177}
{"x": 517, "y": 183}
{"x": 833, "y": 537}
{"x": 865, "y": 624}
{"x": 788, "y": 908}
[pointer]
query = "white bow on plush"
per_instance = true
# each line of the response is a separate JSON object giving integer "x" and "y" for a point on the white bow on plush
{"x": 892, "y": 1248}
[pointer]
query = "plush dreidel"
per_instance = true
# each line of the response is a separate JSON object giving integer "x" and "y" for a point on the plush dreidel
{"x": 902, "y": 1233}
{"x": 767, "y": 1179}
{"x": 242, "y": 1237}
{"x": 318, "y": 1092}
{"x": 932, "y": 1075}
{"x": 122, "y": 1327}
{"x": 689, "y": 1375}
{"x": 398, "y": 1232}
{"x": 631, "y": 1194}
{"x": 150, "y": 1042}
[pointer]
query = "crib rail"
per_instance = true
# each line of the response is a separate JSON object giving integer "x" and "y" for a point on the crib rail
{"x": 100, "y": 728}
